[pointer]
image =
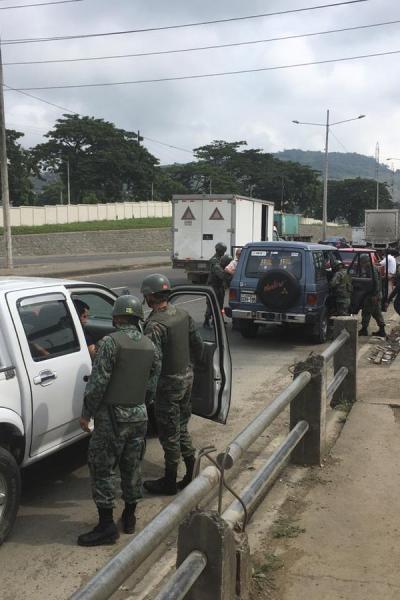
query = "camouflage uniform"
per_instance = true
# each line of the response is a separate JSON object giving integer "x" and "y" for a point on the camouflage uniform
{"x": 119, "y": 431}
{"x": 372, "y": 303}
{"x": 173, "y": 396}
{"x": 341, "y": 288}
{"x": 218, "y": 279}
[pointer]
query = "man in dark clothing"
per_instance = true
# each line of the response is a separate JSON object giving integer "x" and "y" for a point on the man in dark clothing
{"x": 217, "y": 279}
{"x": 372, "y": 302}
{"x": 125, "y": 371}
{"x": 178, "y": 343}
{"x": 341, "y": 287}
{"x": 83, "y": 313}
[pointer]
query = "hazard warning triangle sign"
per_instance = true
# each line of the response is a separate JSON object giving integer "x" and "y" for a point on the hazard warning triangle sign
{"x": 216, "y": 216}
{"x": 188, "y": 215}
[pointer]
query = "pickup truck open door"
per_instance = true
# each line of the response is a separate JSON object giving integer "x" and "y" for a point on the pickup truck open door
{"x": 212, "y": 386}
{"x": 362, "y": 280}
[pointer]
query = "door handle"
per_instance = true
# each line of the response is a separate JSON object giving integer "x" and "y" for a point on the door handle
{"x": 44, "y": 377}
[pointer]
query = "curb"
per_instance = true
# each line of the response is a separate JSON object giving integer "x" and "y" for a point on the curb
{"x": 88, "y": 271}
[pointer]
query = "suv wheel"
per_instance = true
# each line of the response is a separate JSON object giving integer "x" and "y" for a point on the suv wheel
{"x": 320, "y": 334}
{"x": 10, "y": 489}
{"x": 248, "y": 329}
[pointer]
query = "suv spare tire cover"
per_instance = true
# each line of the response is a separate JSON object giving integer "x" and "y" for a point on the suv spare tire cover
{"x": 278, "y": 289}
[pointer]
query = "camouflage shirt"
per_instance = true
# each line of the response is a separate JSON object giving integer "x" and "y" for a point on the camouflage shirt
{"x": 341, "y": 285}
{"x": 103, "y": 365}
{"x": 217, "y": 276}
{"x": 158, "y": 334}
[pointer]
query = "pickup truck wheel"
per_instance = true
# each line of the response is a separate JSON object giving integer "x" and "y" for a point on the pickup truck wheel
{"x": 248, "y": 329}
{"x": 10, "y": 490}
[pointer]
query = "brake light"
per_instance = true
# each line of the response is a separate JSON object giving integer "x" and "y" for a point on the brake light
{"x": 312, "y": 299}
{"x": 232, "y": 294}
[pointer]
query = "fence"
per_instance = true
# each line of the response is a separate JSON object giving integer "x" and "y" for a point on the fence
{"x": 75, "y": 213}
{"x": 213, "y": 559}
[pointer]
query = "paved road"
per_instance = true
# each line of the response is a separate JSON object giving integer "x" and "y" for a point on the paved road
{"x": 41, "y": 558}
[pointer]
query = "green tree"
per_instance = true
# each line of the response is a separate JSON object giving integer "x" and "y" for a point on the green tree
{"x": 104, "y": 162}
{"x": 19, "y": 170}
{"x": 348, "y": 199}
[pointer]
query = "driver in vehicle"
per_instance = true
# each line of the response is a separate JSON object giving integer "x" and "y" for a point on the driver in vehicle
{"x": 179, "y": 344}
{"x": 83, "y": 313}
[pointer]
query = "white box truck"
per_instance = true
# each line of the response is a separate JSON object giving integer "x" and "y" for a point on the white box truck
{"x": 202, "y": 220}
{"x": 382, "y": 227}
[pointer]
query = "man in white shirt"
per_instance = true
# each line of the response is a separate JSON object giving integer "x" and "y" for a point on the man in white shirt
{"x": 392, "y": 268}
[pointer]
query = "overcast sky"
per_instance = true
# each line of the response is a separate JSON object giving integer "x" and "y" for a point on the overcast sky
{"x": 257, "y": 107}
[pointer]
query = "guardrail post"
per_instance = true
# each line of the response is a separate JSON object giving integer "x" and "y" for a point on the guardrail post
{"x": 346, "y": 357}
{"x": 210, "y": 534}
{"x": 310, "y": 406}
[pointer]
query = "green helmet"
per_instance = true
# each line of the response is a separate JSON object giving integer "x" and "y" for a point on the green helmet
{"x": 337, "y": 263}
{"x": 128, "y": 306}
{"x": 155, "y": 283}
{"x": 220, "y": 248}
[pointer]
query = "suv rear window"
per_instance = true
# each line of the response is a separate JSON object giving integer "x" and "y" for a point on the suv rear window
{"x": 262, "y": 261}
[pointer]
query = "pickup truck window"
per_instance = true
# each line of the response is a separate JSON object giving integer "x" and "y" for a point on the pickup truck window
{"x": 100, "y": 307}
{"x": 48, "y": 326}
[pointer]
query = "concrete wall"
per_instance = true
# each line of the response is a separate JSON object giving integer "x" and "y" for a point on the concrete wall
{"x": 91, "y": 242}
{"x": 75, "y": 213}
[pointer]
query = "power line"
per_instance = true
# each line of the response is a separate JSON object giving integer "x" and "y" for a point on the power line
{"x": 38, "y": 4}
{"x": 194, "y": 49}
{"x": 68, "y": 110}
{"x": 337, "y": 139}
{"x": 206, "y": 75}
{"x": 179, "y": 26}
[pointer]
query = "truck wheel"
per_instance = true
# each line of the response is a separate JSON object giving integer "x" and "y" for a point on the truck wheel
{"x": 320, "y": 333}
{"x": 10, "y": 490}
{"x": 248, "y": 329}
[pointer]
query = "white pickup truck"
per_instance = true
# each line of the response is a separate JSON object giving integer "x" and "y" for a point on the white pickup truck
{"x": 45, "y": 363}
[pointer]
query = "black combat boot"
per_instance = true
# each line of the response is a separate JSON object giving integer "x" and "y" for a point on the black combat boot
{"x": 189, "y": 462}
{"x": 381, "y": 331}
{"x": 128, "y": 518}
{"x": 104, "y": 533}
{"x": 166, "y": 486}
{"x": 363, "y": 331}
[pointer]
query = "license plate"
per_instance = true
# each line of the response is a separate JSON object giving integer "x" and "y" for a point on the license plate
{"x": 248, "y": 298}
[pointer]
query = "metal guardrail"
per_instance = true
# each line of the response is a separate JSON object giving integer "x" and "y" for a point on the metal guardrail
{"x": 304, "y": 431}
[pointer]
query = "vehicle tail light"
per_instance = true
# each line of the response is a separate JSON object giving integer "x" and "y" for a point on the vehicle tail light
{"x": 312, "y": 299}
{"x": 232, "y": 294}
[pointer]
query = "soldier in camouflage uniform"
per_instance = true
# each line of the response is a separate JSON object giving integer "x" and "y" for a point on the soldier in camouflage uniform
{"x": 341, "y": 288}
{"x": 125, "y": 370}
{"x": 372, "y": 302}
{"x": 217, "y": 278}
{"x": 174, "y": 334}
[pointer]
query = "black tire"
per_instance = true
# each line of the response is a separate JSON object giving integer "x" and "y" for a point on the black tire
{"x": 320, "y": 333}
{"x": 278, "y": 289}
{"x": 248, "y": 329}
{"x": 10, "y": 492}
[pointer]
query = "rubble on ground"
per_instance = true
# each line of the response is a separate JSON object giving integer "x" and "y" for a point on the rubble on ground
{"x": 386, "y": 350}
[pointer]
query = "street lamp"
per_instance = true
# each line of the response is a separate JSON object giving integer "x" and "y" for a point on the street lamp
{"x": 327, "y": 125}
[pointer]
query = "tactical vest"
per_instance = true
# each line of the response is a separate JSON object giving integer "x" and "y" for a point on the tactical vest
{"x": 128, "y": 383}
{"x": 176, "y": 356}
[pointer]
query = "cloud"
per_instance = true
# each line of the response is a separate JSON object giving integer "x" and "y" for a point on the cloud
{"x": 258, "y": 107}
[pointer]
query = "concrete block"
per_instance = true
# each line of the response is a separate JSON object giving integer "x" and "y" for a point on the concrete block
{"x": 346, "y": 357}
{"x": 310, "y": 406}
{"x": 210, "y": 534}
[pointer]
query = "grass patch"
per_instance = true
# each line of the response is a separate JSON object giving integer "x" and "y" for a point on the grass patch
{"x": 145, "y": 223}
{"x": 264, "y": 573}
{"x": 286, "y": 528}
{"x": 343, "y": 407}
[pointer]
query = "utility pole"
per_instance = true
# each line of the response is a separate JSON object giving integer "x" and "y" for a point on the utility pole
{"x": 5, "y": 193}
{"x": 68, "y": 184}
{"x": 152, "y": 191}
{"x": 377, "y": 173}
{"x": 325, "y": 198}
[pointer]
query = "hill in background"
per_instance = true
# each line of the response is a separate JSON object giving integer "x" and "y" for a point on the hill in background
{"x": 345, "y": 165}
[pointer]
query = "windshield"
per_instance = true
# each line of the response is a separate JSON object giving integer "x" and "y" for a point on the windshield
{"x": 347, "y": 257}
{"x": 262, "y": 261}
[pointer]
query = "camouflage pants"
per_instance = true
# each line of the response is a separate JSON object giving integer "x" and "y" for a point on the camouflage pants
{"x": 372, "y": 308}
{"x": 107, "y": 452}
{"x": 343, "y": 307}
{"x": 220, "y": 293}
{"x": 173, "y": 409}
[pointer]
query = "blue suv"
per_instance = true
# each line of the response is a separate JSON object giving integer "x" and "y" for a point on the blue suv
{"x": 282, "y": 282}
